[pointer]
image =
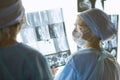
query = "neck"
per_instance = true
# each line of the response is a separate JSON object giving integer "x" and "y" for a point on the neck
{"x": 94, "y": 44}
{"x": 4, "y": 43}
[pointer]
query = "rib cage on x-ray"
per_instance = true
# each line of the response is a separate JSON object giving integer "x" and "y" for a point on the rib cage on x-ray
{"x": 42, "y": 32}
{"x": 57, "y": 30}
{"x": 45, "y": 31}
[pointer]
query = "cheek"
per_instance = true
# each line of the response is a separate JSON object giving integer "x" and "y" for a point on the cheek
{"x": 86, "y": 35}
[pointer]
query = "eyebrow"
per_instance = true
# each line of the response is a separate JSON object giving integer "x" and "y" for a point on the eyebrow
{"x": 83, "y": 24}
{"x": 80, "y": 24}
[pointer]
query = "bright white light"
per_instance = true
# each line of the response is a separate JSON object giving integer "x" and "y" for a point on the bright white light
{"x": 112, "y": 6}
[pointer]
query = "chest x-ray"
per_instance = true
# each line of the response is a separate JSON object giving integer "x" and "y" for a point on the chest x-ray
{"x": 45, "y": 31}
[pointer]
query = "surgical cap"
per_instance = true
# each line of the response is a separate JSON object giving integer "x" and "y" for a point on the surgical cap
{"x": 11, "y": 12}
{"x": 99, "y": 23}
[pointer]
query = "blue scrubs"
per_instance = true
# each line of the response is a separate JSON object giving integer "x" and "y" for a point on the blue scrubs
{"x": 21, "y": 62}
{"x": 90, "y": 64}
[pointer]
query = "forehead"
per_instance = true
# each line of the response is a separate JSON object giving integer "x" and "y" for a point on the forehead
{"x": 79, "y": 21}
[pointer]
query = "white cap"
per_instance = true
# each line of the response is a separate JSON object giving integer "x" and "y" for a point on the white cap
{"x": 11, "y": 12}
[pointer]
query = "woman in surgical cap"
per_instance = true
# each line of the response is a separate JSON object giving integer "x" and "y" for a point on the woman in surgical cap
{"x": 17, "y": 60}
{"x": 92, "y": 62}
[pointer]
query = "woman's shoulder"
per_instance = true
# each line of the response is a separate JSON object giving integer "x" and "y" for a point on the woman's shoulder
{"x": 26, "y": 50}
{"x": 30, "y": 53}
{"x": 84, "y": 53}
{"x": 84, "y": 59}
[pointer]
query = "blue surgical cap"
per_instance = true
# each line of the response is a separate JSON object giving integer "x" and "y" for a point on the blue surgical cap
{"x": 11, "y": 12}
{"x": 99, "y": 23}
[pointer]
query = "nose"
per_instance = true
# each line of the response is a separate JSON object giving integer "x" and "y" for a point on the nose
{"x": 75, "y": 29}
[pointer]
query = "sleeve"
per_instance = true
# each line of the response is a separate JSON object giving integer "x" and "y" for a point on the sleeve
{"x": 36, "y": 68}
{"x": 69, "y": 72}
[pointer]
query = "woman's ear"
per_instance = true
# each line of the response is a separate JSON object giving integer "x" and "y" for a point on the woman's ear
{"x": 23, "y": 20}
{"x": 15, "y": 29}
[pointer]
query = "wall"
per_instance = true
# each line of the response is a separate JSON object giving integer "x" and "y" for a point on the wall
{"x": 69, "y": 13}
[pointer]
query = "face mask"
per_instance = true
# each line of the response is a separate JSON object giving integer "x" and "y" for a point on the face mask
{"x": 77, "y": 37}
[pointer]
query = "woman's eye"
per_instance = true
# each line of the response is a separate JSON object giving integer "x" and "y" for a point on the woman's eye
{"x": 80, "y": 28}
{"x": 75, "y": 29}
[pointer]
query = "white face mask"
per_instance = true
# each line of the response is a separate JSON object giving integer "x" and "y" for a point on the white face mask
{"x": 77, "y": 37}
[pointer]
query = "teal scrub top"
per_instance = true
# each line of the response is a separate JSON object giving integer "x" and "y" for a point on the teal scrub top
{"x": 21, "y": 62}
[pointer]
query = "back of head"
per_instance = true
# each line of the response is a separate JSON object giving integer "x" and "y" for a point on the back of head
{"x": 11, "y": 17}
{"x": 11, "y": 12}
{"x": 99, "y": 23}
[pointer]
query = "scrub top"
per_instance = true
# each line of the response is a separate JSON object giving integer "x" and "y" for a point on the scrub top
{"x": 21, "y": 62}
{"x": 90, "y": 64}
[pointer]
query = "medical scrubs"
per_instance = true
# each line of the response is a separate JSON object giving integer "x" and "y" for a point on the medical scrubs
{"x": 90, "y": 64}
{"x": 21, "y": 62}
